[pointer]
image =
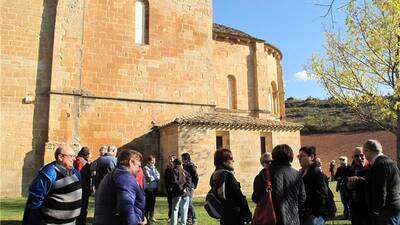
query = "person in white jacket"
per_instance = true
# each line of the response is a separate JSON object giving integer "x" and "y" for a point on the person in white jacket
{"x": 152, "y": 177}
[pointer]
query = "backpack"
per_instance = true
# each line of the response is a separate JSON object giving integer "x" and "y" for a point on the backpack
{"x": 330, "y": 202}
{"x": 214, "y": 203}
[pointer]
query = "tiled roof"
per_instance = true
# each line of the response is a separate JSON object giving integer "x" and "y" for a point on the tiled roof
{"x": 219, "y": 28}
{"x": 233, "y": 121}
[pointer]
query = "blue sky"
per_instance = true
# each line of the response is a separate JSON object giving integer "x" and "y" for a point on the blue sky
{"x": 294, "y": 26}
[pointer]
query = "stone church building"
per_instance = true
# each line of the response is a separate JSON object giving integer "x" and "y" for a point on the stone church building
{"x": 157, "y": 76}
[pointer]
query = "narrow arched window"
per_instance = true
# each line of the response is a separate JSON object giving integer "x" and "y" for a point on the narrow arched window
{"x": 232, "y": 92}
{"x": 274, "y": 101}
{"x": 141, "y": 22}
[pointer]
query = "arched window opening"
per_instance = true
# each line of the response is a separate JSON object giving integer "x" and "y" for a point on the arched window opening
{"x": 141, "y": 22}
{"x": 232, "y": 92}
{"x": 274, "y": 101}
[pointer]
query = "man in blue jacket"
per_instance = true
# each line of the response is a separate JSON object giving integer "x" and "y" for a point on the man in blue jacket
{"x": 119, "y": 199}
{"x": 55, "y": 195}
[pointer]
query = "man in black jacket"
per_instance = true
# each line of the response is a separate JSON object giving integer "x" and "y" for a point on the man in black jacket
{"x": 192, "y": 170}
{"x": 382, "y": 186}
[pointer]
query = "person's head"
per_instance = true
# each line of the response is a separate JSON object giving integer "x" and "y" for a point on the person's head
{"x": 177, "y": 163}
{"x": 371, "y": 149}
{"x": 343, "y": 160}
{"x": 282, "y": 154}
{"x": 358, "y": 156}
{"x": 222, "y": 157}
{"x": 171, "y": 158}
{"x": 65, "y": 156}
{"x": 131, "y": 159}
{"x": 84, "y": 153}
{"x": 266, "y": 159}
{"x": 112, "y": 150}
{"x": 307, "y": 156}
{"x": 333, "y": 162}
{"x": 102, "y": 150}
{"x": 151, "y": 160}
{"x": 185, "y": 157}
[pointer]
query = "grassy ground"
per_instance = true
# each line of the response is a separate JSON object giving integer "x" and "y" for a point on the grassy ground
{"x": 11, "y": 211}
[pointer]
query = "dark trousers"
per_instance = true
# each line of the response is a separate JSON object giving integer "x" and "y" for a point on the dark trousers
{"x": 150, "y": 203}
{"x": 169, "y": 199}
{"x": 358, "y": 215}
{"x": 81, "y": 220}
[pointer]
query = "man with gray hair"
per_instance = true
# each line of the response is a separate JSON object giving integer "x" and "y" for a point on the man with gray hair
{"x": 105, "y": 164}
{"x": 55, "y": 195}
{"x": 382, "y": 186}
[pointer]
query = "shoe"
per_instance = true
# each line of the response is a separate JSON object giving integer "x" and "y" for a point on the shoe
{"x": 153, "y": 220}
{"x": 194, "y": 222}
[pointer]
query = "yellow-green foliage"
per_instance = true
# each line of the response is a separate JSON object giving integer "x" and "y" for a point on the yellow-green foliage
{"x": 360, "y": 67}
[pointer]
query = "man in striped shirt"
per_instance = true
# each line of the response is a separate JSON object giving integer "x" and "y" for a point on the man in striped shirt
{"x": 55, "y": 194}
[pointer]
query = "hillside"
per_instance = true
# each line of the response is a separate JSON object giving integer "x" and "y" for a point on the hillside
{"x": 323, "y": 116}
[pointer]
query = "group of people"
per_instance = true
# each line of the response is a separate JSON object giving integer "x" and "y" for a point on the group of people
{"x": 370, "y": 185}
{"x": 125, "y": 193}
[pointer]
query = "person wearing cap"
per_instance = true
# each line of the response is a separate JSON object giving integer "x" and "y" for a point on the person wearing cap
{"x": 181, "y": 182}
{"x": 83, "y": 166}
{"x": 355, "y": 185}
{"x": 341, "y": 174}
{"x": 382, "y": 186}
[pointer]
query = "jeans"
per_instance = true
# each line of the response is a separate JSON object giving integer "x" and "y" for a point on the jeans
{"x": 312, "y": 220}
{"x": 169, "y": 199}
{"x": 179, "y": 204}
{"x": 191, "y": 212}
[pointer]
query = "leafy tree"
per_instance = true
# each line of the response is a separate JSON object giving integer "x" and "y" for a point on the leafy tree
{"x": 360, "y": 67}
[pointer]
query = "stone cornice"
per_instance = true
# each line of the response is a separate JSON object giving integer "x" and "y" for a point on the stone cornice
{"x": 270, "y": 49}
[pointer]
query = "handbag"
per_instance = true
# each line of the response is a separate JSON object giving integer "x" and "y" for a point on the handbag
{"x": 265, "y": 213}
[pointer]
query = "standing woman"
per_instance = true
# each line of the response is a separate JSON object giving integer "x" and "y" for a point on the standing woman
{"x": 288, "y": 194}
{"x": 152, "y": 176}
{"x": 235, "y": 208}
{"x": 316, "y": 211}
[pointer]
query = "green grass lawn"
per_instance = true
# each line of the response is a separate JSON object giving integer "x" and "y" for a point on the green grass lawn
{"x": 11, "y": 211}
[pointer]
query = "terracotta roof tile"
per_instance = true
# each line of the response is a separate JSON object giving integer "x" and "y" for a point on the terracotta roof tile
{"x": 219, "y": 28}
{"x": 233, "y": 121}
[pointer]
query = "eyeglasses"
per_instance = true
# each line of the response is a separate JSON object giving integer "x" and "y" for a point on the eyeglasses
{"x": 72, "y": 156}
{"x": 358, "y": 156}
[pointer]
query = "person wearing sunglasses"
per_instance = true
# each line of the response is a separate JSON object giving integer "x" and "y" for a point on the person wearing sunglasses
{"x": 356, "y": 187}
{"x": 55, "y": 195}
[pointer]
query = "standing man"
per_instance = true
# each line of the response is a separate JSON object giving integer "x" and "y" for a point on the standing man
{"x": 55, "y": 194}
{"x": 382, "y": 186}
{"x": 355, "y": 185}
{"x": 152, "y": 176}
{"x": 180, "y": 193}
{"x": 168, "y": 178}
{"x": 119, "y": 199}
{"x": 83, "y": 166}
{"x": 332, "y": 169}
{"x": 105, "y": 164}
{"x": 189, "y": 167}
{"x": 341, "y": 174}
{"x": 93, "y": 165}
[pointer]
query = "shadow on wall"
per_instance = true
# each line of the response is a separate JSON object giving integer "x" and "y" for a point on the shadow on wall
{"x": 146, "y": 144}
{"x": 34, "y": 159}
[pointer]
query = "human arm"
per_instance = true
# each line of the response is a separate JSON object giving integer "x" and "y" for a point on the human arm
{"x": 126, "y": 190}
{"x": 234, "y": 192}
{"x": 38, "y": 190}
{"x": 258, "y": 189}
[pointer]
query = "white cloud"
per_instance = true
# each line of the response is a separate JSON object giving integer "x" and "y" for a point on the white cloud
{"x": 303, "y": 76}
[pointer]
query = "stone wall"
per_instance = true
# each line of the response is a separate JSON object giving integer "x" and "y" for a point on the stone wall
{"x": 27, "y": 30}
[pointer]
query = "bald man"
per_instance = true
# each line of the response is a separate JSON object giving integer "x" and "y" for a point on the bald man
{"x": 55, "y": 194}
